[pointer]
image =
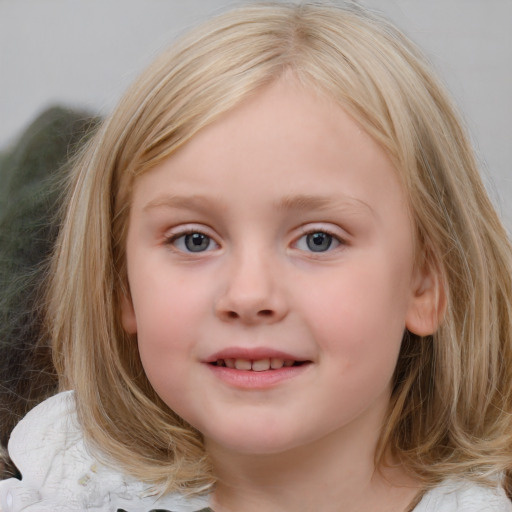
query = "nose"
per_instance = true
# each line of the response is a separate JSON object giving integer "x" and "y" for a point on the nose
{"x": 253, "y": 291}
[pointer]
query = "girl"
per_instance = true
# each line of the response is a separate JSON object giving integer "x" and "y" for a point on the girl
{"x": 279, "y": 285}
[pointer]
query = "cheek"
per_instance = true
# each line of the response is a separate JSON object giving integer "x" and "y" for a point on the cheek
{"x": 166, "y": 306}
{"x": 164, "y": 328}
{"x": 164, "y": 354}
{"x": 359, "y": 319}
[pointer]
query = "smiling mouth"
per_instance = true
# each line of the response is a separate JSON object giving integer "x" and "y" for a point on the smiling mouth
{"x": 257, "y": 365}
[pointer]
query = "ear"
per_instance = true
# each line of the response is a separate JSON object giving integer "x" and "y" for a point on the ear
{"x": 128, "y": 319}
{"x": 428, "y": 302}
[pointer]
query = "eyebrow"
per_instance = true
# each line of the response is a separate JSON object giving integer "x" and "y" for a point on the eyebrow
{"x": 292, "y": 203}
{"x": 303, "y": 202}
{"x": 192, "y": 202}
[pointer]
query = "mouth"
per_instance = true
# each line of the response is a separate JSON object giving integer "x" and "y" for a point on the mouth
{"x": 257, "y": 365}
{"x": 256, "y": 368}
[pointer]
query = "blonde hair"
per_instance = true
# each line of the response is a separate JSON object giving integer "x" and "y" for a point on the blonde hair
{"x": 449, "y": 414}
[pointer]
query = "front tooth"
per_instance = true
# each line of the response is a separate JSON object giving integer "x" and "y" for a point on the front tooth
{"x": 243, "y": 364}
{"x": 261, "y": 365}
{"x": 230, "y": 363}
{"x": 288, "y": 362}
{"x": 276, "y": 363}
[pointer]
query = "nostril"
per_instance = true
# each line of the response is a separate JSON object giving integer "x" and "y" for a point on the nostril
{"x": 232, "y": 314}
{"x": 265, "y": 312}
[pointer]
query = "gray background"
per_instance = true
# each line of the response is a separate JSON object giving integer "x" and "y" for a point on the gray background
{"x": 83, "y": 53}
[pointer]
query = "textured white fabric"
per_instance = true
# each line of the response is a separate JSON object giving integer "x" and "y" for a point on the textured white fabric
{"x": 59, "y": 474}
{"x": 464, "y": 497}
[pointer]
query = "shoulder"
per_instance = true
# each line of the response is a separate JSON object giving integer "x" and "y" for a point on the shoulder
{"x": 59, "y": 472}
{"x": 464, "y": 496}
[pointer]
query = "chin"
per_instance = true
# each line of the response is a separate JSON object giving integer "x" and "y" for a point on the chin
{"x": 257, "y": 440}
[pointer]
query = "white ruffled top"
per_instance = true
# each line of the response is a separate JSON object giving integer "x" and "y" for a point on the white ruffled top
{"x": 467, "y": 496}
{"x": 60, "y": 475}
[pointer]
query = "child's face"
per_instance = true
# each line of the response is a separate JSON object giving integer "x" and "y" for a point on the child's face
{"x": 279, "y": 234}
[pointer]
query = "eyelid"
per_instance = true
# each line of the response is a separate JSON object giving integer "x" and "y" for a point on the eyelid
{"x": 177, "y": 232}
{"x": 337, "y": 233}
{"x": 315, "y": 227}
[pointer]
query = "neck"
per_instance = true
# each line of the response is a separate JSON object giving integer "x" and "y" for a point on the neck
{"x": 330, "y": 474}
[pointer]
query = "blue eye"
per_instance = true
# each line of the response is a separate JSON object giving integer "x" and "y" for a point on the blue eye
{"x": 193, "y": 242}
{"x": 317, "y": 241}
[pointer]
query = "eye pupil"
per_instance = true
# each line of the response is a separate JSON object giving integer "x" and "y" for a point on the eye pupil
{"x": 197, "y": 242}
{"x": 318, "y": 242}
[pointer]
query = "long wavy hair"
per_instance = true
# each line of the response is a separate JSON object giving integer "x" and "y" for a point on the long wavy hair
{"x": 450, "y": 410}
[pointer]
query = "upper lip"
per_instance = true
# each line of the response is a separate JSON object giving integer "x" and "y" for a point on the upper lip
{"x": 253, "y": 354}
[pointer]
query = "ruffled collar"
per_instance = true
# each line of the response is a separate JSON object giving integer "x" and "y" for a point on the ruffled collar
{"x": 60, "y": 475}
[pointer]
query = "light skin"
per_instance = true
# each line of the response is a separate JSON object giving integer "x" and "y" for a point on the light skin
{"x": 279, "y": 235}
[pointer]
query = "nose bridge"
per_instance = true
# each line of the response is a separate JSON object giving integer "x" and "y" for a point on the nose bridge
{"x": 252, "y": 290}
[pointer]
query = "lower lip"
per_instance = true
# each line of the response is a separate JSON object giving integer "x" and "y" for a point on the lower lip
{"x": 249, "y": 379}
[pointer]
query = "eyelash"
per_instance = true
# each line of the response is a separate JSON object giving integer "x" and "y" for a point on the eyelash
{"x": 334, "y": 238}
{"x": 175, "y": 238}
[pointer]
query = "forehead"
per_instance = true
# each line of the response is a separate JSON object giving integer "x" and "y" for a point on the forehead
{"x": 284, "y": 141}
